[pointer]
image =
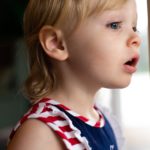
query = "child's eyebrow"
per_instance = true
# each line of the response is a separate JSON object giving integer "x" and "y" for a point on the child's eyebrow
{"x": 108, "y": 16}
{"x": 113, "y": 13}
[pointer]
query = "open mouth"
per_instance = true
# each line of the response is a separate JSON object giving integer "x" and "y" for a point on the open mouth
{"x": 133, "y": 62}
{"x": 130, "y": 65}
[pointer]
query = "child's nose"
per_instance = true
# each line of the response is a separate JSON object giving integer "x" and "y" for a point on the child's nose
{"x": 134, "y": 40}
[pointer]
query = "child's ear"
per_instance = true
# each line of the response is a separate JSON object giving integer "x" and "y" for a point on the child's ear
{"x": 53, "y": 43}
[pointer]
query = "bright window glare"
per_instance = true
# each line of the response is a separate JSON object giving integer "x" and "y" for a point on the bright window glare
{"x": 135, "y": 102}
{"x": 142, "y": 15}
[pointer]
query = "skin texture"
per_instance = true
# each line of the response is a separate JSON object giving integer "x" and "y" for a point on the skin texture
{"x": 35, "y": 135}
{"x": 93, "y": 57}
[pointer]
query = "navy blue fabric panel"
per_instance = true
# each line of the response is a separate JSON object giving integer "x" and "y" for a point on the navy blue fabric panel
{"x": 98, "y": 138}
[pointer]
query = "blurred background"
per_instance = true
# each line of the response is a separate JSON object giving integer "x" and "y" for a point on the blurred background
{"x": 130, "y": 105}
{"x": 13, "y": 68}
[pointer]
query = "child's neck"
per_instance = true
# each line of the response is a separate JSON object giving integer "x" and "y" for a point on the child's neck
{"x": 76, "y": 91}
{"x": 77, "y": 100}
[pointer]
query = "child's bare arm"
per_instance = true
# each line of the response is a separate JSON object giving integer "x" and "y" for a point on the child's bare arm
{"x": 35, "y": 135}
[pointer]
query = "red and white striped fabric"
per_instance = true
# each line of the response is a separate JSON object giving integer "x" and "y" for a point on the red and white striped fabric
{"x": 46, "y": 111}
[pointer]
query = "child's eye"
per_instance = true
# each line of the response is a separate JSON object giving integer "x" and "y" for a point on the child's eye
{"x": 114, "y": 25}
{"x": 135, "y": 29}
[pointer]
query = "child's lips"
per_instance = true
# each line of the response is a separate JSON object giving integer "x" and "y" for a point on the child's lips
{"x": 130, "y": 64}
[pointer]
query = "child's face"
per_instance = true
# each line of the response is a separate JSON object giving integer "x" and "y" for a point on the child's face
{"x": 103, "y": 44}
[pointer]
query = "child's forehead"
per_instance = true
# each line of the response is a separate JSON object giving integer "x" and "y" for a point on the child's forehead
{"x": 117, "y": 13}
{"x": 102, "y": 5}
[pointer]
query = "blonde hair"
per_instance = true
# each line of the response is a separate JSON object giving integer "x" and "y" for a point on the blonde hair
{"x": 42, "y": 75}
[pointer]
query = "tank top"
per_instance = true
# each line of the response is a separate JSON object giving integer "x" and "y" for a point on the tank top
{"x": 76, "y": 131}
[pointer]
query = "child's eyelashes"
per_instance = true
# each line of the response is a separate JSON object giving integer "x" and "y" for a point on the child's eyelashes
{"x": 135, "y": 29}
{"x": 114, "y": 25}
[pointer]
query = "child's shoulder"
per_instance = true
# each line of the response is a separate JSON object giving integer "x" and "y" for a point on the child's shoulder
{"x": 34, "y": 125}
{"x": 33, "y": 134}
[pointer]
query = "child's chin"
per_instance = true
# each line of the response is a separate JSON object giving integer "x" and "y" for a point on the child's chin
{"x": 124, "y": 85}
{"x": 120, "y": 86}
